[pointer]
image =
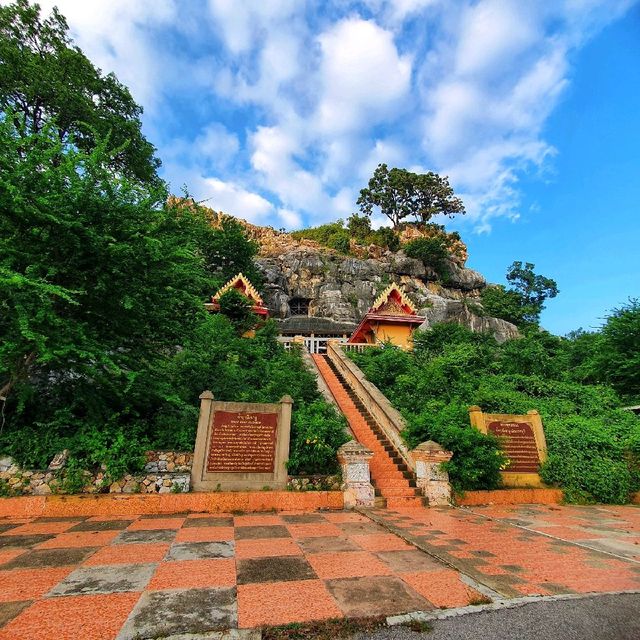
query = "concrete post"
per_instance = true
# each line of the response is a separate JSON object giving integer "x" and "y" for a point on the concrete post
{"x": 283, "y": 437}
{"x": 356, "y": 479}
{"x": 431, "y": 478}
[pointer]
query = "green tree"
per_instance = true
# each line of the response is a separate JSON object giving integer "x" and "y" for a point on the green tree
{"x": 619, "y": 356}
{"x": 593, "y": 445}
{"x": 238, "y": 309}
{"x": 97, "y": 281}
{"x": 533, "y": 288}
{"x": 524, "y": 301}
{"x": 401, "y": 194}
{"x": 222, "y": 244}
{"x": 48, "y": 81}
{"x": 433, "y": 252}
{"x": 359, "y": 227}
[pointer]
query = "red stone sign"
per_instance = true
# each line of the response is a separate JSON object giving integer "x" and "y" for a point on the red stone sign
{"x": 242, "y": 442}
{"x": 519, "y": 443}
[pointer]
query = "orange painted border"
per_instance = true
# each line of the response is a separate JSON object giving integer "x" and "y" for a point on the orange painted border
{"x": 511, "y": 496}
{"x": 134, "y": 504}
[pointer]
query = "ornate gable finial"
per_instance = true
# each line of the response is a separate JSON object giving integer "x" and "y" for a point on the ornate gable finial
{"x": 384, "y": 296}
{"x": 249, "y": 290}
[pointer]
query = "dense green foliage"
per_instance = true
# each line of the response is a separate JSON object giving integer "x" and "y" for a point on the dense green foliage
{"x": 401, "y": 195}
{"x": 238, "y": 309}
{"x": 612, "y": 354}
{"x": 619, "y": 358}
{"x": 46, "y": 80}
{"x": 245, "y": 370}
{"x": 593, "y": 444}
{"x": 226, "y": 251}
{"x": 99, "y": 284}
{"x": 338, "y": 237}
{"x": 318, "y": 430}
{"x": 523, "y": 302}
{"x": 332, "y": 235}
{"x": 105, "y": 345}
{"x": 432, "y": 252}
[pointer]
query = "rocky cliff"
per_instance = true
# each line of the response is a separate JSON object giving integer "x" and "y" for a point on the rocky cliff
{"x": 304, "y": 279}
{"x": 342, "y": 288}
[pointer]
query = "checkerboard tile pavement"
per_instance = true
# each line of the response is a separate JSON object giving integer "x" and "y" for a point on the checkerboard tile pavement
{"x": 149, "y": 576}
{"x": 611, "y": 528}
{"x": 195, "y": 573}
{"x": 514, "y": 561}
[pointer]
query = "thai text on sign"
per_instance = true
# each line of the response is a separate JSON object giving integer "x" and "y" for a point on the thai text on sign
{"x": 242, "y": 442}
{"x": 519, "y": 444}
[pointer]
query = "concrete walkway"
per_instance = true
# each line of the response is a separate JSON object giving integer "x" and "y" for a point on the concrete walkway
{"x": 159, "y": 576}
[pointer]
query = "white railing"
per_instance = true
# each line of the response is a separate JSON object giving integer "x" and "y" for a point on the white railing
{"x": 359, "y": 347}
{"x": 316, "y": 344}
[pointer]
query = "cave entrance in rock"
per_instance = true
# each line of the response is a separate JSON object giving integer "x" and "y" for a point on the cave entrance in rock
{"x": 299, "y": 306}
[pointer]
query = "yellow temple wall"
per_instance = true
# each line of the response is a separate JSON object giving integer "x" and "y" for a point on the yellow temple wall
{"x": 397, "y": 334}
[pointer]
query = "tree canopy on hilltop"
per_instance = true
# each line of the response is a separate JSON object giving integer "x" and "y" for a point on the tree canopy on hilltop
{"x": 401, "y": 194}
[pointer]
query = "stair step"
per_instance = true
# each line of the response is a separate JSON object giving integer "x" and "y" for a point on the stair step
{"x": 405, "y": 503}
{"x": 392, "y": 481}
{"x": 393, "y": 492}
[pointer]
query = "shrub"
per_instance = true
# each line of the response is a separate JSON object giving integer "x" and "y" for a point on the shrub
{"x": 317, "y": 432}
{"x": 432, "y": 252}
{"x": 336, "y": 236}
{"x": 477, "y": 458}
{"x": 593, "y": 446}
{"x": 332, "y": 235}
{"x": 237, "y": 308}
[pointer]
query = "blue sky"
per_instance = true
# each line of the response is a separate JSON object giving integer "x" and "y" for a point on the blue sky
{"x": 278, "y": 111}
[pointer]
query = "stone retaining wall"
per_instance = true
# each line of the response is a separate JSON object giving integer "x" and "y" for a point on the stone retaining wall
{"x": 164, "y": 472}
{"x": 314, "y": 483}
{"x": 162, "y": 461}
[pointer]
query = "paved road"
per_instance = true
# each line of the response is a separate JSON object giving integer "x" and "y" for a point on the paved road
{"x": 607, "y": 617}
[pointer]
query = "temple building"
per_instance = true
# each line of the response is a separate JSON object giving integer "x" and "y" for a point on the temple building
{"x": 392, "y": 318}
{"x": 241, "y": 284}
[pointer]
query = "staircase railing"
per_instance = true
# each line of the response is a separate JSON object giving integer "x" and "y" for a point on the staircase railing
{"x": 388, "y": 418}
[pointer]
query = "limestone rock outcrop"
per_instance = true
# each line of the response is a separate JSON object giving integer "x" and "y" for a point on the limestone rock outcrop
{"x": 306, "y": 281}
{"x": 342, "y": 288}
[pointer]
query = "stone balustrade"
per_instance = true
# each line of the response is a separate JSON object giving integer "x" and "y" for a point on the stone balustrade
{"x": 386, "y": 416}
{"x": 432, "y": 479}
{"x": 354, "y": 461}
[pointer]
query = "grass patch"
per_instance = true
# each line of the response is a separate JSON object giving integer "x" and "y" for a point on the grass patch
{"x": 418, "y": 626}
{"x": 324, "y": 629}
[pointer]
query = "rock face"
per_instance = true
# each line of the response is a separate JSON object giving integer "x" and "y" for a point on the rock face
{"x": 308, "y": 286}
{"x": 342, "y": 288}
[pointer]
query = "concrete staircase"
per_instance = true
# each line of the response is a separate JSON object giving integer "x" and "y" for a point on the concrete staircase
{"x": 393, "y": 482}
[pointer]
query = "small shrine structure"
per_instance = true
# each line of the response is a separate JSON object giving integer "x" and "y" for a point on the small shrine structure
{"x": 241, "y": 284}
{"x": 391, "y": 318}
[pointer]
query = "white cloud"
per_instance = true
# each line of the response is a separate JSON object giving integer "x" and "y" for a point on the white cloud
{"x": 493, "y": 32}
{"x": 241, "y": 21}
{"x": 488, "y": 89}
{"x": 363, "y": 78}
{"x": 116, "y": 36}
{"x": 234, "y": 199}
{"x": 217, "y": 144}
{"x": 290, "y": 219}
{"x": 464, "y": 88}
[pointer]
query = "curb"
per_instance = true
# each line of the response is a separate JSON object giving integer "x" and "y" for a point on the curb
{"x": 511, "y": 603}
